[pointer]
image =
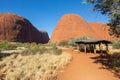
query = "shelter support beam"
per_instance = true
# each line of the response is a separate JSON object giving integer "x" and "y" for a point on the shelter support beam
{"x": 107, "y": 50}
{"x": 94, "y": 49}
{"x": 85, "y": 50}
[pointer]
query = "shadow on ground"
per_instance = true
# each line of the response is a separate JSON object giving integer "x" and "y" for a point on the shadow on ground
{"x": 3, "y": 55}
{"x": 107, "y": 63}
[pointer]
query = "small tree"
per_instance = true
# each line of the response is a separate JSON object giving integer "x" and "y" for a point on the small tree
{"x": 116, "y": 44}
{"x": 112, "y": 9}
{"x": 72, "y": 42}
{"x": 53, "y": 45}
{"x": 63, "y": 43}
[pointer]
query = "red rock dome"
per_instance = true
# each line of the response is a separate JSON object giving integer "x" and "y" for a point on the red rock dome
{"x": 44, "y": 37}
{"x": 101, "y": 30}
{"x": 19, "y": 29}
{"x": 72, "y": 26}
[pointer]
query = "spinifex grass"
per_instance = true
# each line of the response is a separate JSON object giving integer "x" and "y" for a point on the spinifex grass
{"x": 32, "y": 67}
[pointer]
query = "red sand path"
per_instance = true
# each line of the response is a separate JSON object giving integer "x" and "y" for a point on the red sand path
{"x": 82, "y": 67}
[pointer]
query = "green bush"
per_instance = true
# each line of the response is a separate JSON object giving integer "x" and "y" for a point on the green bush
{"x": 31, "y": 48}
{"x": 42, "y": 50}
{"x": 26, "y": 45}
{"x": 7, "y": 45}
{"x": 116, "y": 44}
{"x": 55, "y": 51}
{"x": 63, "y": 43}
{"x": 32, "y": 45}
{"x": 53, "y": 45}
{"x": 72, "y": 42}
{"x": 115, "y": 62}
{"x": 3, "y": 45}
{"x": 11, "y": 46}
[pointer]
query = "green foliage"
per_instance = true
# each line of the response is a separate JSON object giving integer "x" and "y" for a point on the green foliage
{"x": 42, "y": 50}
{"x": 11, "y": 46}
{"x": 112, "y": 9}
{"x": 7, "y": 45}
{"x": 29, "y": 45}
{"x": 115, "y": 62}
{"x": 26, "y": 45}
{"x": 116, "y": 44}
{"x": 63, "y": 43}
{"x": 57, "y": 51}
{"x": 3, "y": 44}
{"x": 53, "y": 45}
{"x": 72, "y": 42}
{"x": 31, "y": 48}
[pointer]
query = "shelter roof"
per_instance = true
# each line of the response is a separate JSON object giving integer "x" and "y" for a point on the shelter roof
{"x": 93, "y": 41}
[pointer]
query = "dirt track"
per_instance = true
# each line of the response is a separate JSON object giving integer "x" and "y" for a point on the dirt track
{"x": 83, "y": 67}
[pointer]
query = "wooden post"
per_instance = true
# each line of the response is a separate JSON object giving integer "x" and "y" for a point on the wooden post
{"x": 77, "y": 46}
{"x": 107, "y": 50}
{"x": 101, "y": 48}
{"x": 85, "y": 48}
{"x": 94, "y": 49}
{"x": 91, "y": 47}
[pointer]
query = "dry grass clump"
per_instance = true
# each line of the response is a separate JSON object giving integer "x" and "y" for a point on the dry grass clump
{"x": 32, "y": 67}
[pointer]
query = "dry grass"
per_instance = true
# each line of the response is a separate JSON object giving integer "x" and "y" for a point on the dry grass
{"x": 32, "y": 67}
{"x": 112, "y": 51}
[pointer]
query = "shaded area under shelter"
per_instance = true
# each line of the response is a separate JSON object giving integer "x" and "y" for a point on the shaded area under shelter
{"x": 92, "y": 45}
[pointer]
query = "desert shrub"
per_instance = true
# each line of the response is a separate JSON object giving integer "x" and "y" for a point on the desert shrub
{"x": 3, "y": 44}
{"x": 53, "y": 45}
{"x": 27, "y": 45}
{"x": 31, "y": 46}
{"x": 72, "y": 42}
{"x": 55, "y": 51}
{"x": 116, "y": 44}
{"x": 63, "y": 43}
{"x": 8, "y": 45}
{"x": 58, "y": 51}
{"x": 41, "y": 50}
{"x": 115, "y": 62}
{"x": 3, "y": 55}
{"x": 34, "y": 50}
{"x": 11, "y": 46}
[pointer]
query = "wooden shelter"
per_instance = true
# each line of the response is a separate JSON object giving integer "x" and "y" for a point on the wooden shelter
{"x": 92, "y": 44}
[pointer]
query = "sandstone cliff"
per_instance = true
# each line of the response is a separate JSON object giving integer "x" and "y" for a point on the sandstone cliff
{"x": 101, "y": 30}
{"x": 44, "y": 37}
{"x": 72, "y": 26}
{"x": 18, "y": 29}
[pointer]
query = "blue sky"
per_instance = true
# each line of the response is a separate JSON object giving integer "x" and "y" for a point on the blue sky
{"x": 45, "y": 14}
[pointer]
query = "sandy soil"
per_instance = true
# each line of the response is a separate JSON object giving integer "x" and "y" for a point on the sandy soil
{"x": 83, "y": 67}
